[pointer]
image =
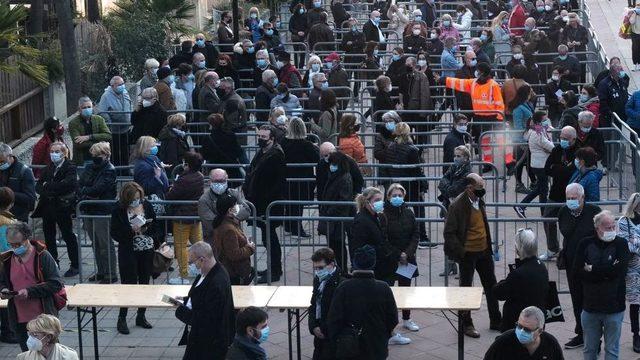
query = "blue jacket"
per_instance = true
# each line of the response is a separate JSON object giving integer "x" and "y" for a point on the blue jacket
{"x": 144, "y": 175}
{"x": 110, "y": 101}
{"x": 633, "y": 110}
{"x": 448, "y": 61}
{"x": 590, "y": 181}
{"x": 521, "y": 114}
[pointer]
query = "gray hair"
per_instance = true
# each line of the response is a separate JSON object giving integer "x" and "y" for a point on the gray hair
{"x": 575, "y": 187}
{"x": 597, "y": 220}
{"x": 19, "y": 228}
{"x": 201, "y": 249}
{"x": 151, "y": 63}
{"x": 262, "y": 52}
{"x": 526, "y": 243}
{"x": 570, "y": 130}
{"x": 536, "y": 313}
{"x": 228, "y": 81}
{"x": 391, "y": 115}
{"x": 5, "y": 150}
{"x": 268, "y": 74}
{"x": 316, "y": 76}
{"x": 149, "y": 93}
{"x": 297, "y": 129}
{"x": 83, "y": 100}
{"x": 476, "y": 42}
{"x": 632, "y": 205}
{"x": 586, "y": 115}
{"x": 563, "y": 47}
{"x": 113, "y": 80}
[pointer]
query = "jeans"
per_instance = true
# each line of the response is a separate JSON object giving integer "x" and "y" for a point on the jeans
{"x": 483, "y": 263}
{"x": 104, "y": 251}
{"x": 63, "y": 219}
{"x": 541, "y": 189}
{"x": 551, "y": 228}
{"x": 183, "y": 233}
{"x": 594, "y": 325}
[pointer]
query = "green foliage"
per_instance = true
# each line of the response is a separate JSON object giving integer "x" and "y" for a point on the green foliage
{"x": 136, "y": 37}
{"x": 15, "y": 53}
{"x": 51, "y": 58}
{"x": 171, "y": 14}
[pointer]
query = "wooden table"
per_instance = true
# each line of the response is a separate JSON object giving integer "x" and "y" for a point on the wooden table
{"x": 87, "y": 297}
{"x": 293, "y": 299}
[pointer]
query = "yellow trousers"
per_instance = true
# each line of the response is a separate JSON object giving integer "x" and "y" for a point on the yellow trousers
{"x": 183, "y": 233}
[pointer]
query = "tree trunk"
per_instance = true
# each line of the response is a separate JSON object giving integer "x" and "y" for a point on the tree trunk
{"x": 236, "y": 20}
{"x": 69, "y": 54}
{"x": 36, "y": 17}
{"x": 93, "y": 11}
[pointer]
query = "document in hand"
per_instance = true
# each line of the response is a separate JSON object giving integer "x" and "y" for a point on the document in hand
{"x": 406, "y": 270}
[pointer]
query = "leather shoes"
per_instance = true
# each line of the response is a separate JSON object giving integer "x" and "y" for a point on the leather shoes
{"x": 262, "y": 279}
{"x": 122, "y": 326}
{"x": 471, "y": 331}
{"x": 109, "y": 280}
{"x": 95, "y": 277}
{"x": 142, "y": 322}
{"x": 494, "y": 326}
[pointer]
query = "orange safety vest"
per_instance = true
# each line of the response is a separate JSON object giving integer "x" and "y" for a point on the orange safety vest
{"x": 484, "y": 97}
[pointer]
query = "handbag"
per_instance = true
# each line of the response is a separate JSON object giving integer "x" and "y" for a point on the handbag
{"x": 60, "y": 299}
{"x": 553, "y": 309}
{"x": 162, "y": 259}
{"x": 142, "y": 243}
{"x": 625, "y": 31}
{"x": 159, "y": 209}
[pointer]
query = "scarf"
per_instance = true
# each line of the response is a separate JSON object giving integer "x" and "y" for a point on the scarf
{"x": 251, "y": 347}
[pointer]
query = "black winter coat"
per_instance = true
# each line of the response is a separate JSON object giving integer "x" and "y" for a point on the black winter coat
{"x": 371, "y": 33}
{"x": 266, "y": 179}
{"x": 211, "y": 318}
{"x": 339, "y": 187}
{"x": 402, "y": 231}
{"x": 322, "y": 176}
{"x": 560, "y": 168}
{"x": 453, "y": 139}
{"x": 122, "y": 233}
{"x": 264, "y": 95}
{"x": 575, "y": 229}
{"x": 526, "y": 285}
{"x": 300, "y": 151}
{"x": 188, "y": 187}
{"x": 413, "y": 44}
{"x": 148, "y": 121}
{"x": 367, "y": 230}
{"x": 326, "y": 296}
{"x": 353, "y": 43}
{"x": 595, "y": 140}
{"x": 19, "y": 178}
{"x": 98, "y": 182}
{"x": 407, "y": 154}
{"x": 603, "y": 287}
{"x": 172, "y": 147}
{"x": 551, "y": 99}
{"x": 51, "y": 187}
{"x": 382, "y": 101}
{"x": 298, "y": 22}
{"x": 222, "y": 147}
{"x": 453, "y": 182}
{"x": 369, "y": 304}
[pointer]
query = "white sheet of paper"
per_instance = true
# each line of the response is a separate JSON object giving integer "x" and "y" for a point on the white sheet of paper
{"x": 137, "y": 221}
{"x": 406, "y": 270}
{"x": 559, "y": 93}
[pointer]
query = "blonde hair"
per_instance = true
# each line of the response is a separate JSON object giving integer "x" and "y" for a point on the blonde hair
{"x": 296, "y": 129}
{"x": 63, "y": 146}
{"x": 143, "y": 146}
{"x": 313, "y": 59}
{"x": 101, "y": 148}
{"x": 176, "y": 120}
{"x": 46, "y": 324}
{"x": 275, "y": 112}
{"x": 367, "y": 194}
{"x": 497, "y": 21}
{"x": 632, "y": 204}
{"x": 464, "y": 150}
{"x": 395, "y": 186}
{"x": 402, "y": 133}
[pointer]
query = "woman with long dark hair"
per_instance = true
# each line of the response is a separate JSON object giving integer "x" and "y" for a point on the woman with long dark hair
{"x": 522, "y": 112}
{"x": 328, "y": 122}
{"x": 53, "y": 132}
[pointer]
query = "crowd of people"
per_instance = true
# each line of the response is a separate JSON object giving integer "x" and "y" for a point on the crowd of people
{"x": 517, "y": 65}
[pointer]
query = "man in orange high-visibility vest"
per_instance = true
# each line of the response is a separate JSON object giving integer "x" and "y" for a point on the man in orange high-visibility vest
{"x": 487, "y": 103}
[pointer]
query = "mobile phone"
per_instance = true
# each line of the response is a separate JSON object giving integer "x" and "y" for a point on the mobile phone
{"x": 169, "y": 300}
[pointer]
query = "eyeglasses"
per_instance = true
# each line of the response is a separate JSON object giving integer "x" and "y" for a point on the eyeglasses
{"x": 523, "y": 229}
{"x": 518, "y": 326}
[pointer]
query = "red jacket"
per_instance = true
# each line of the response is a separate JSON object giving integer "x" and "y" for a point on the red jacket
{"x": 41, "y": 154}
{"x": 517, "y": 19}
{"x": 285, "y": 74}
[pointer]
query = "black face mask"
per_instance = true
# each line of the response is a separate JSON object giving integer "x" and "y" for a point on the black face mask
{"x": 479, "y": 192}
{"x": 262, "y": 143}
{"x": 97, "y": 160}
{"x": 409, "y": 68}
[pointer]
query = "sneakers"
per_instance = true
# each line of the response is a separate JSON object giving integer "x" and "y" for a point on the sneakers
{"x": 426, "y": 243}
{"x": 548, "y": 256}
{"x": 520, "y": 212}
{"x": 410, "y": 325}
{"x": 575, "y": 342}
{"x": 521, "y": 189}
{"x": 398, "y": 339}
{"x": 71, "y": 272}
{"x": 179, "y": 281}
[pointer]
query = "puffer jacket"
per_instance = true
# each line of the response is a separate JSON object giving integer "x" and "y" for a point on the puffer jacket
{"x": 590, "y": 181}
{"x": 188, "y": 187}
{"x": 98, "y": 182}
{"x": 401, "y": 230}
{"x": 352, "y": 146}
{"x": 454, "y": 181}
{"x": 407, "y": 154}
{"x": 540, "y": 146}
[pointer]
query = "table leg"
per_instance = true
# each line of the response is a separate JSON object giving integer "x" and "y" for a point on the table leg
{"x": 298, "y": 333}
{"x": 460, "y": 337}
{"x": 94, "y": 318}
{"x": 79, "y": 313}
{"x": 289, "y": 331}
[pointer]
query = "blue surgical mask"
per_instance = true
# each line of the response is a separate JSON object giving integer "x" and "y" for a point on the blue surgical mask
{"x": 171, "y": 79}
{"x": 483, "y": 37}
{"x": 269, "y": 32}
{"x": 622, "y": 74}
{"x": 193, "y": 270}
{"x": 315, "y": 67}
{"x": 585, "y": 129}
{"x": 354, "y": 28}
{"x": 264, "y": 334}
{"x": 540, "y": 8}
{"x": 333, "y": 168}
{"x": 191, "y": 77}
{"x": 135, "y": 203}
{"x": 262, "y": 63}
{"x": 4, "y": 166}
{"x": 397, "y": 201}
{"x": 576, "y": 162}
{"x": 395, "y": 57}
{"x": 323, "y": 274}
{"x": 564, "y": 144}
{"x": 446, "y": 23}
{"x": 473, "y": 62}
{"x": 458, "y": 160}
{"x": 325, "y": 85}
{"x": 87, "y": 112}
{"x": 275, "y": 82}
{"x": 301, "y": 11}
{"x": 584, "y": 98}
{"x": 378, "y": 206}
{"x": 376, "y": 21}
{"x": 219, "y": 188}
{"x": 391, "y": 126}
{"x": 562, "y": 57}
{"x": 120, "y": 89}
{"x": 573, "y": 204}
{"x": 375, "y": 52}
{"x": 317, "y": 4}
{"x": 202, "y": 64}
{"x": 329, "y": 65}
{"x": 524, "y": 337}
{"x": 200, "y": 42}
{"x": 56, "y": 157}
{"x": 21, "y": 250}
{"x": 153, "y": 150}
{"x": 461, "y": 128}
{"x": 527, "y": 28}
{"x": 546, "y": 123}
{"x": 251, "y": 50}
{"x": 254, "y": 15}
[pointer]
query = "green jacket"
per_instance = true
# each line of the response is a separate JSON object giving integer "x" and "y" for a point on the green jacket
{"x": 100, "y": 133}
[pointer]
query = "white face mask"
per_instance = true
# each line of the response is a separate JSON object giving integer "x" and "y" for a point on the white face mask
{"x": 34, "y": 344}
{"x": 422, "y": 63}
{"x": 235, "y": 210}
{"x": 388, "y": 88}
{"x": 555, "y": 77}
{"x": 433, "y": 35}
{"x": 416, "y": 32}
{"x": 608, "y": 236}
{"x": 147, "y": 103}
